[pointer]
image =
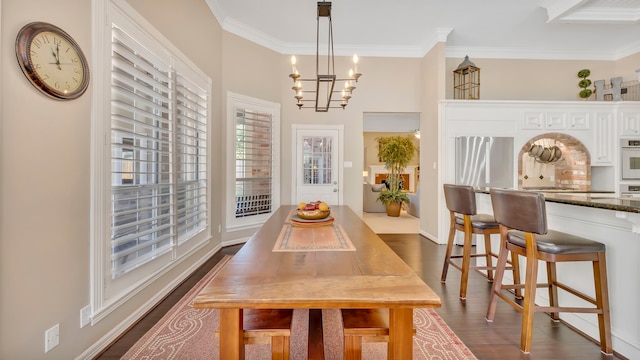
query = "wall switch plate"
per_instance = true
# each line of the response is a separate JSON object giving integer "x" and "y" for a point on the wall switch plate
{"x": 51, "y": 338}
{"x": 85, "y": 316}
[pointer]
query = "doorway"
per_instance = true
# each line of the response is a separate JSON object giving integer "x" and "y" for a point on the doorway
{"x": 316, "y": 171}
{"x": 390, "y": 124}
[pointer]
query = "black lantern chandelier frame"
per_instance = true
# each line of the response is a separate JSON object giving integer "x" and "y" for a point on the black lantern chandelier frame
{"x": 325, "y": 84}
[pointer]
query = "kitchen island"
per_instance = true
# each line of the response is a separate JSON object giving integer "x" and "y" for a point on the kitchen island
{"x": 614, "y": 222}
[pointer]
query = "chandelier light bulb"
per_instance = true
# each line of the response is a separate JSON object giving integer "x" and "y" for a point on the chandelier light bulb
{"x": 325, "y": 79}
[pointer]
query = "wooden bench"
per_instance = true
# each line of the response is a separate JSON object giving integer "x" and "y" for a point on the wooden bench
{"x": 361, "y": 326}
{"x": 268, "y": 326}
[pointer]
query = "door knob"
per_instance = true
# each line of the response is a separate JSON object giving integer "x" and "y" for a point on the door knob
{"x": 335, "y": 190}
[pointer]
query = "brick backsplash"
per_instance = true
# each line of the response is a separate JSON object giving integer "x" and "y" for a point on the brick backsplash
{"x": 572, "y": 170}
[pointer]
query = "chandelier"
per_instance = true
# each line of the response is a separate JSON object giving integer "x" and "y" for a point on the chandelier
{"x": 324, "y": 84}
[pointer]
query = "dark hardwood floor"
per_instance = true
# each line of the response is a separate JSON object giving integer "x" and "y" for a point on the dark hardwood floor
{"x": 497, "y": 340}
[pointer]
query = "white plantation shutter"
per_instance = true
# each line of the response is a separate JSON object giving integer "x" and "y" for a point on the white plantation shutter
{"x": 253, "y": 167}
{"x": 142, "y": 127}
{"x": 150, "y": 160}
{"x": 192, "y": 157}
{"x": 254, "y": 163}
{"x": 158, "y": 156}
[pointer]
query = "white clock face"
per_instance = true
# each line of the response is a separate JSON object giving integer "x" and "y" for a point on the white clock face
{"x": 52, "y": 61}
{"x": 56, "y": 62}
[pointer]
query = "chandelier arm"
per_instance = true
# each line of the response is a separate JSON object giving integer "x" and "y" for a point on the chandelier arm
{"x": 324, "y": 82}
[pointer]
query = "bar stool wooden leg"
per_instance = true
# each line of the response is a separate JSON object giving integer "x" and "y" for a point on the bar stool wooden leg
{"x": 497, "y": 281}
{"x": 447, "y": 256}
{"x": 530, "y": 286}
{"x": 515, "y": 263}
{"x": 602, "y": 302}
{"x": 488, "y": 256}
{"x": 466, "y": 256}
{"x": 552, "y": 279}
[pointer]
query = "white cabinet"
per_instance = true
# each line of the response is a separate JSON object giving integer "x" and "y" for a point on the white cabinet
{"x": 603, "y": 133}
{"x": 555, "y": 120}
{"x": 629, "y": 123}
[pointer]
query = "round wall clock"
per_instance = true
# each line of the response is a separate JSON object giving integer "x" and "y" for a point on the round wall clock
{"x": 52, "y": 61}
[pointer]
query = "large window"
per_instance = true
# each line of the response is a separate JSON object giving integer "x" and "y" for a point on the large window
{"x": 155, "y": 111}
{"x": 254, "y": 133}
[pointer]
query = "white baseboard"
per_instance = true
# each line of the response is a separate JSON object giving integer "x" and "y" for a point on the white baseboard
{"x": 99, "y": 346}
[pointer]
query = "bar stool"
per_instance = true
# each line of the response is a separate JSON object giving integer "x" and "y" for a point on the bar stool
{"x": 461, "y": 202}
{"x": 523, "y": 228}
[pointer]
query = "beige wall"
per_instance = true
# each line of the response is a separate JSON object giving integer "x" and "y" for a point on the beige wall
{"x": 387, "y": 85}
{"x": 245, "y": 75}
{"x": 45, "y": 147}
{"x": 45, "y": 150}
{"x": 510, "y": 79}
{"x": 432, "y": 78}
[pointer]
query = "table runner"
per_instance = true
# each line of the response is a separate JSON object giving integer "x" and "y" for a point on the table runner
{"x": 322, "y": 238}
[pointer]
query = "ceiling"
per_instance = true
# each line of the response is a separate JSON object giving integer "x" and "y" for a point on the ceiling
{"x": 530, "y": 29}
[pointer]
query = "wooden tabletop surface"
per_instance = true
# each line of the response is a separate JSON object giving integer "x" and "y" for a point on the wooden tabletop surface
{"x": 370, "y": 277}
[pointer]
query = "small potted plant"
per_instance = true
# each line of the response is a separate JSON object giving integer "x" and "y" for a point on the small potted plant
{"x": 395, "y": 152}
{"x": 585, "y": 93}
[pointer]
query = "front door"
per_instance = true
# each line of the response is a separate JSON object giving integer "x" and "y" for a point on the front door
{"x": 316, "y": 163}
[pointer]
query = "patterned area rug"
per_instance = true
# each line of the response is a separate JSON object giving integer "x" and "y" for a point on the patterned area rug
{"x": 187, "y": 333}
{"x": 324, "y": 238}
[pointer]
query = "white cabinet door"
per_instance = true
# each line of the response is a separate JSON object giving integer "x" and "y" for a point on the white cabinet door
{"x": 630, "y": 123}
{"x": 578, "y": 121}
{"x": 603, "y": 139}
{"x": 533, "y": 120}
{"x": 556, "y": 120}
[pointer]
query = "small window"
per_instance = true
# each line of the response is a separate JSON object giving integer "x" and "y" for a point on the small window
{"x": 255, "y": 129}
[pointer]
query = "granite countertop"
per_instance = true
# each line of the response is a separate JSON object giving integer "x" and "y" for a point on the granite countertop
{"x": 594, "y": 199}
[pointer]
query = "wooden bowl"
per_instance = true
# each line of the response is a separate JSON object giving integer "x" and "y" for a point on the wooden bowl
{"x": 313, "y": 214}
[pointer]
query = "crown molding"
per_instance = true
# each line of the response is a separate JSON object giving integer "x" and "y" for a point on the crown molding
{"x": 244, "y": 31}
{"x": 542, "y": 54}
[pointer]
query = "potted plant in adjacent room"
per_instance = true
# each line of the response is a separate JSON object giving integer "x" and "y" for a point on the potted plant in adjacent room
{"x": 395, "y": 152}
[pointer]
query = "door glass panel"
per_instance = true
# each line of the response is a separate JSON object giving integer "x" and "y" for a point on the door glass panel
{"x": 317, "y": 160}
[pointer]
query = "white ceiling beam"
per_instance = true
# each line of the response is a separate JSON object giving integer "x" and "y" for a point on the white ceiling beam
{"x": 557, "y": 9}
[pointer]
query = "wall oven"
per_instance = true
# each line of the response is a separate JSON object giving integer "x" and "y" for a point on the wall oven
{"x": 630, "y": 150}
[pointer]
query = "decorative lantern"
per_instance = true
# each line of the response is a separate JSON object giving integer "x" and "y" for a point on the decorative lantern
{"x": 466, "y": 81}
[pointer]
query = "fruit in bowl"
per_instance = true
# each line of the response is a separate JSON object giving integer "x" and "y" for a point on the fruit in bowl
{"x": 313, "y": 211}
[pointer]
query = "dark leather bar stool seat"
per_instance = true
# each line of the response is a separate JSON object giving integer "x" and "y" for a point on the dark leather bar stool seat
{"x": 523, "y": 227}
{"x": 461, "y": 202}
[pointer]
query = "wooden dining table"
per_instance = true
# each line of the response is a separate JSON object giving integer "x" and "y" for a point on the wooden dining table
{"x": 357, "y": 270}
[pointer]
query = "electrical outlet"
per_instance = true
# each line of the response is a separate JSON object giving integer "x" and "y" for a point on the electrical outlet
{"x": 85, "y": 316}
{"x": 51, "y": 338}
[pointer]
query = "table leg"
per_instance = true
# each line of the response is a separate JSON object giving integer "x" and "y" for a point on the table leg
{"x": 231, "y": 334}
{"x": 400, "y": 333}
